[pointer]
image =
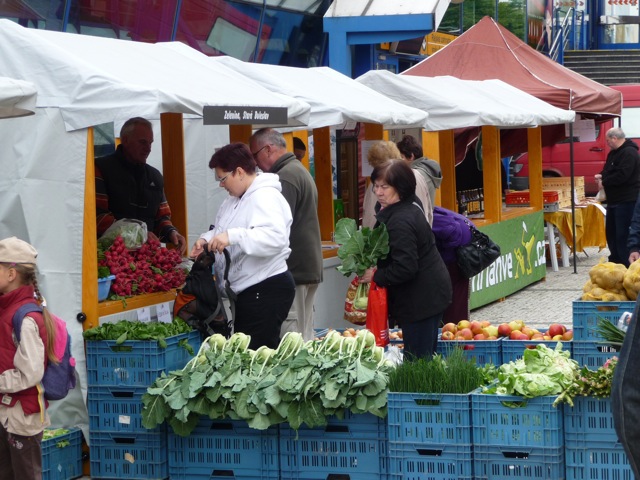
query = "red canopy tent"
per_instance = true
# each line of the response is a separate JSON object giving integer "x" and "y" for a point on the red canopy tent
{"x": 488, "y": 50}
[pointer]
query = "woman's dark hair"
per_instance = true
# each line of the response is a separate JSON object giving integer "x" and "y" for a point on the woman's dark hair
{"x": 232, "y": 156}
{"x": 409, "y": 146}
{"x": 399, "y": 175}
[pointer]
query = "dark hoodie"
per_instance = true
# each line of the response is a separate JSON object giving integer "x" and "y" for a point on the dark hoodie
{"x": 621, "y": 174}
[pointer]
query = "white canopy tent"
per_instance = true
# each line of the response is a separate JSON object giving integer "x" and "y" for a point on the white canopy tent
{"x": 17, "y": 98}
{"x": 334, "y": 98}
{"x": 454, "y": 103}
{"x": 83, "y": 82}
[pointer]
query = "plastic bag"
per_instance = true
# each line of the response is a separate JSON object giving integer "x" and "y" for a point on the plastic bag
{"x": 354, "y": 312}
{"x": 377, "y": 314}
{"x": 132, "y": 231}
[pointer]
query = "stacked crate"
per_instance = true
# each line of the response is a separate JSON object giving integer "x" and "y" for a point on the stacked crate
{"x": 592, "y": 449}
{"x": 563, "y": 186}
{"x": 588, "y": 347}
{"x": 118, "y": 375}
{"x": 62, "y": 456}
{"x": 429, "y": 436}
{"x": 353, "y": 447}
{"x": 517, "y": 437}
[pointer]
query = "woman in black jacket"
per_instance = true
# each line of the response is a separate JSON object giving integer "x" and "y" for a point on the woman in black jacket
{"x": 416, "y": 278}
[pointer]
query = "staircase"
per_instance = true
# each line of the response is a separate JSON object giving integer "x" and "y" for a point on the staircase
{"x": 609, "y": 67}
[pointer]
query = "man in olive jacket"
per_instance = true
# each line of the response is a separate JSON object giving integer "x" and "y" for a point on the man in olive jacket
{"x": 269, "y": 149}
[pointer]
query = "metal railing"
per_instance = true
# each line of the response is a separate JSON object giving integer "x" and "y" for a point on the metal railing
{"x": 568, "y": 31}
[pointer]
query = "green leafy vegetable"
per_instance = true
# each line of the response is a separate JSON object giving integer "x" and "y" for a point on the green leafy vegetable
{"x": 299, "y": 382}
{"x": 360, "y": 248}
{"x": 124, "y": 330}
{"x": 590, "y": 383}
{"x": 541, "y": 371}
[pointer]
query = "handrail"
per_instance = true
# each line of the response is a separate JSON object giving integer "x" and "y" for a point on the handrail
{"x": 561, "y": 37}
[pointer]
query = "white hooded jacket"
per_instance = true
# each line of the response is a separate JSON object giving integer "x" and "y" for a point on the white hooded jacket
{"x": 258, "y": 224}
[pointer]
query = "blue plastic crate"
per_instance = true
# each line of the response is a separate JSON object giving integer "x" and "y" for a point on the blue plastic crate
{"x": 430, "y": 462}
{"x": 224, "y": 449}
{"x": 524, "y": 463}
{"x": 513, "y": 350}
{"x": 483, "y": 351}
{"x": 136, "y": 363}
{"x": 589, "y": 420}
{"x": 127, "y": 455}
{"x": 428, "y": 418}
{"x": 514, "y": 421}
{"x": 593, "y": 354}
{"x": 586, "y": 316}
{"x": 597, "y": 461}
{"x": 354, "y": 447}
{"x": 117, "y": 409}
{"x": 62, "y": 456}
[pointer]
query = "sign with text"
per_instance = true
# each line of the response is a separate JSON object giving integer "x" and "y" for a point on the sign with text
{"x": 244, "y": 115}
{"x": 522, "y": 259}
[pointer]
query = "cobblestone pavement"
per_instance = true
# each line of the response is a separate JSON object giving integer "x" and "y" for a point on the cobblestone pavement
{"x": 547, "y": 301}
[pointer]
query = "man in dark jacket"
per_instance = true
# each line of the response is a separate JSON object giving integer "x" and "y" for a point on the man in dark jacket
{"x": 126, "y": 187}
{"x": 621, "y": 182}
{"x": 269, "y": 149}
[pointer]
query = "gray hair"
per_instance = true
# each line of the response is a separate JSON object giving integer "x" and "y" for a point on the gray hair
{"x": 615, "y": 133}
{"x": 132, "y": 123}
{"x": 269, "y": 136}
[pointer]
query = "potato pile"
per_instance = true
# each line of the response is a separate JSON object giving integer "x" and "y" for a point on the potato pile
{"x": 612, "y": 282}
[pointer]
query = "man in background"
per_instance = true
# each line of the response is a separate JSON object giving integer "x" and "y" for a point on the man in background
{"x": 269, "y": 150}
{"x": 126, "y": 187}
{"x": 299, "y": 148}
{"x": 621, "y": 181}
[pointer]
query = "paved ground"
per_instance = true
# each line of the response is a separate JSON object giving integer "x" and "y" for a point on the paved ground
{"x": 547, "y": 301}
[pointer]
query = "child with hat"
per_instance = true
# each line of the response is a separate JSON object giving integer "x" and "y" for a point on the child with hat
{"x": 23, "y": 414}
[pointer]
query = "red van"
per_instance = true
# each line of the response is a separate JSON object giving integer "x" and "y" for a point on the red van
{"x": 589, "y": 157}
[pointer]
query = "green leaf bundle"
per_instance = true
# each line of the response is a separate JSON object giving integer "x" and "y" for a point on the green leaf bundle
{"x": 360, "y": 248}
{"x": 300, "y": 383}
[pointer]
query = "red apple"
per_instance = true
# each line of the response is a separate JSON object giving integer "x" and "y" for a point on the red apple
{"x": 448, "y": 335}
{"x": 476, "y": 327}
{"x": 567, "y": 336}
{"x": 450, "y": 327}
{"x": 556, "y": 329}
{"x": 480, "y": 336}
{"x": 465, "y": 334}
{"x": 504, "y": 330}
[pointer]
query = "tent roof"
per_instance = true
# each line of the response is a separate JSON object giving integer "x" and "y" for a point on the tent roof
{"x": 95, "y": 80}
{"x": 453, "y": 103}
{"x": 489, "y": 51}
{"x": 17, "y": 98}
{"x": 334, "y": 97}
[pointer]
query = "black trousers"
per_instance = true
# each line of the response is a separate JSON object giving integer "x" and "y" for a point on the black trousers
{"x": 261, "y": 309}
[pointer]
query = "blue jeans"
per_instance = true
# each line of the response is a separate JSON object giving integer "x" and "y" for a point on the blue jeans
{"x": 617, "y": 229}
{"x": 625, "y": 394}
{"x": 421, "y": 337}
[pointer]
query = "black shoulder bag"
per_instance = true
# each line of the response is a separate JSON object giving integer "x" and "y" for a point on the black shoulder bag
{"x": 478, "y": 254}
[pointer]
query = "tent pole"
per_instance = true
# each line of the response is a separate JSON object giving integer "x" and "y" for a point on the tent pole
{"x": 573, "y": 199}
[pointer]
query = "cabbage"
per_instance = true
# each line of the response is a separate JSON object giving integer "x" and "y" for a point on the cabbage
{"x": 541, "y": 371}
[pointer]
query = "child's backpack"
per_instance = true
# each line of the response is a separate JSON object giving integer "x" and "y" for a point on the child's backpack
{"x": 199, "y": 303}
{"x": 58, "y": 378}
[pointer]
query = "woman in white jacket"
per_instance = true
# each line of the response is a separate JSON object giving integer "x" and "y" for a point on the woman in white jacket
{"x": 253, "y": 224}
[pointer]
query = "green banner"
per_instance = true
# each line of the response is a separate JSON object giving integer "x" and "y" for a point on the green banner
{"x": 522, "y": 260}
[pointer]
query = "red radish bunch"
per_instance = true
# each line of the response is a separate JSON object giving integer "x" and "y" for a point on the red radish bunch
{"x": 149, "y": 269}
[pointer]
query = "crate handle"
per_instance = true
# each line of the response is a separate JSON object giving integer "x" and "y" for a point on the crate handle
{"x": 127, "y": 394}
{"x": 337, "y": 429}
{"x": 427, "y": 402}
{"x": 338, "y": 476}
{"x": 515, "y": 403}
{"x": 222, "y": 473}
{"x": 124, "y": 440}
{"x": 221, "y": 426}
{"x": 515, "y": 454}
{"x": 428, "y": 452}
{"x": 121, "y": 348}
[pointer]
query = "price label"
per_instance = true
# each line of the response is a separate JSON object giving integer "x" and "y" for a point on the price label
{"x": 164, "y": 313}
{"x": 124, "y": 419}
{"x": 144, "y": 314}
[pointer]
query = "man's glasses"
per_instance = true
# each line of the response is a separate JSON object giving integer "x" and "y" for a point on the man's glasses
{"x": 259, "y": 150}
